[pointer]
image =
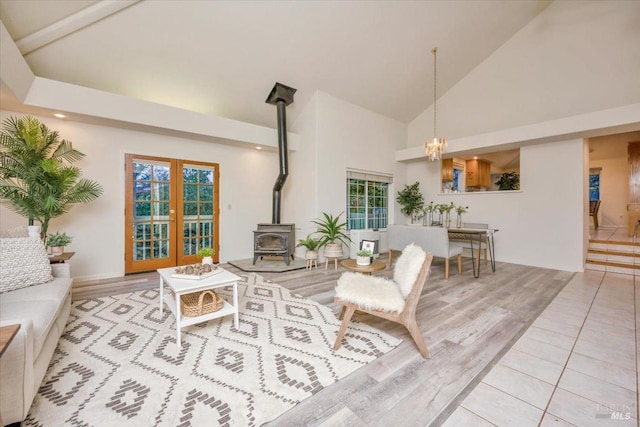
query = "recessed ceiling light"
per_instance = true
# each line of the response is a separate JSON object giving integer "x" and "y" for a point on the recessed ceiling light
{"x": 475, "y": 157}
{"x": 60, "y": 115}
{"x": 258, "y": 148}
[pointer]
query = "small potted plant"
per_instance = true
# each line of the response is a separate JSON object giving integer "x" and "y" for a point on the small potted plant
{"x": 410, "y": 200}
{"x": 332, "y": 232}
{"x": 206, "y": 255}
{"x": 363, "y": 257}
{"x": 57, "y": 242}
{"x": 312, "y": 244}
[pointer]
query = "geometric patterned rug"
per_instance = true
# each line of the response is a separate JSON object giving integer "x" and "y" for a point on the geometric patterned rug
{"x": 117, "y": 363}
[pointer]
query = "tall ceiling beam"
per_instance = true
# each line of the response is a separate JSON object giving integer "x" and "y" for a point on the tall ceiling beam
{"x": 72, "y": 23}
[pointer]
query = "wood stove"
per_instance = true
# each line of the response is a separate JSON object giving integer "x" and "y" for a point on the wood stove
{"x": 277, "y": 239}
{"x": 274, "y": 240}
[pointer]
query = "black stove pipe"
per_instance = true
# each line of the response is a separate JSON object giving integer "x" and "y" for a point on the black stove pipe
{"x": 284, "y": 161}
{"x": 280, "y": 96}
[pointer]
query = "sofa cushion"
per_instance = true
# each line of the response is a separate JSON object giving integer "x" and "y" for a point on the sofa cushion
{"x": 23, "y": 262}
{"x": 56, "y": 290}
{"x": 42, "y": 313}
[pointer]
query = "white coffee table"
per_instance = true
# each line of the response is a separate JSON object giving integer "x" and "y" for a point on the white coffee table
{"x": 187, "y": 286}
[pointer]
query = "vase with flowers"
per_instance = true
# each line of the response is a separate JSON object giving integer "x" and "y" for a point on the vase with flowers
{"x": 427, "y": 219}
{"x": 460, "y": 210}
{"x": 447, "y": 210}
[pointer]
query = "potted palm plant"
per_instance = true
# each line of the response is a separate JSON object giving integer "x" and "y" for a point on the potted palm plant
{"x": 331, "y": 231}
{"x": 37, "y": 179}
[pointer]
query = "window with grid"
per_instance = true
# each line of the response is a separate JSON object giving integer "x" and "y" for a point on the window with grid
{"x": 367, "y": 200}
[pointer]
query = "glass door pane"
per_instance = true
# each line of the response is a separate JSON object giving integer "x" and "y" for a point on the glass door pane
{"x": 150, "y": 214}
{"x": 199, "y": 197}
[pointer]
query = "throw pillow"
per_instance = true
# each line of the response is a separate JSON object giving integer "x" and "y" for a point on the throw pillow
{"x": 23, "y": 262}
{"x": 408, "y": 267}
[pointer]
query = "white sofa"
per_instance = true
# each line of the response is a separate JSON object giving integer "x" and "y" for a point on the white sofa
{"x": 42, "y": 312}
{"x": 430, "y": 239}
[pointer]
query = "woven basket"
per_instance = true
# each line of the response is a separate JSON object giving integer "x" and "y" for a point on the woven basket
{"x": 199, "y": 303}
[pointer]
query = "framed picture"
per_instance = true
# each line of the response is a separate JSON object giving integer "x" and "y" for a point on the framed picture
{"x": 371, "y": 245}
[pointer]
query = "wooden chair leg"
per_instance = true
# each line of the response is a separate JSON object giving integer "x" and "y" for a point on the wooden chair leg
{"x": 389, "y": 258}
{"x": 460, "y": 264}
{"x": 446, "y": 268}
{"x": 341, "y": 316}
{"x": 412, "y": 326}
{"x": 484, "y": 254}
{"x": 343, "y": 327}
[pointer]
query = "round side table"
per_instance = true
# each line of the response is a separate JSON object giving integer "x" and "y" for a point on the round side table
{"x": 350, "y": 264}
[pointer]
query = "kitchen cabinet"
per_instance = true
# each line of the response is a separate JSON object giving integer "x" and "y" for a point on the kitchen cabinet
{"x": 478, "y": 174}
{"x": 447, "y": 170}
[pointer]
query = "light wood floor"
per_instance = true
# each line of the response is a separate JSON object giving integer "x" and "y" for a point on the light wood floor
{"x": 467, "y": 323}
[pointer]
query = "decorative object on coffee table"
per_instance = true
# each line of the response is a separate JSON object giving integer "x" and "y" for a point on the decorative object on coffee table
{"x": 206, "y": 255}
{"x": 196, "y": 271}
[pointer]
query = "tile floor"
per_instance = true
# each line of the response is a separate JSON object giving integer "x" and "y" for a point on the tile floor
{"x": 576, "y": 365}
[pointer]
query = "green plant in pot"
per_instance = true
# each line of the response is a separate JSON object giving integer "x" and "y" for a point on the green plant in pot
{"x": 37, "y": 179}
{"x": 332, "y": 231}
{"x": 410, "y": 200}
{"x": 57, "y": 242}
{"x": 312, "y": 244}
{"x": 363, "y": 257}
{"x": 206, "y": 254}
{"x": 509, "y": 181}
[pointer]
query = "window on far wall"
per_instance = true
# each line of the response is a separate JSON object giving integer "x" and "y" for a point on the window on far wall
{"x": 367, "y": 200}
{"x": 594, "y": 184}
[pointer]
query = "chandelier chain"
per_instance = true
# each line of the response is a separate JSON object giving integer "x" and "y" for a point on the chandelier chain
{"x": 435, "y": 68}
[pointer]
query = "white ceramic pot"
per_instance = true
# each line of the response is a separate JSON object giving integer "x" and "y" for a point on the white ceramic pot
{"x": 34, "y": 231}
{"x": 207, "y": 260}
{"x": 363, "y": 260}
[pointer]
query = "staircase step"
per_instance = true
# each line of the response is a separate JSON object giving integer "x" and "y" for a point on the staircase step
{"x": 614, "y": 264}
{"x": 616, "y": 242}
{"x": 614, "y": 253}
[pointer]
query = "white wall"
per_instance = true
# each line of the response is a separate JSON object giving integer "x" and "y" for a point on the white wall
{"x": 300, "y": 195}
{"x": 574, "y": 57}
{"x": 336, "y": 135}
{"x": 247, "y": 177}
{"x": 541, "y": 225}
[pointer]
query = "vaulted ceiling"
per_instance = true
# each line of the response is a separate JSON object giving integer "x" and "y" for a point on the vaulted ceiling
{"x": 223, "y": 57}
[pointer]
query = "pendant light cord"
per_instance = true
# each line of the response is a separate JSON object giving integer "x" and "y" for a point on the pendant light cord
{"x": 435, "y": 58}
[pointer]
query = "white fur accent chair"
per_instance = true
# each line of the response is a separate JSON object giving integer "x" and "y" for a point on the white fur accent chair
{"x": 394, "y": 300}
